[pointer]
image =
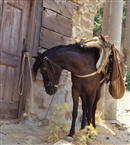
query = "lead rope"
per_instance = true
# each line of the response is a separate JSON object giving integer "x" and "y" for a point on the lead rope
{"x": 48, "y": 108}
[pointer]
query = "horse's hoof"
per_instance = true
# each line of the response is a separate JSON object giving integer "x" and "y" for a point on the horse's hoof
{"x": 69, "y": 138}
{"x": 82, "y": 127}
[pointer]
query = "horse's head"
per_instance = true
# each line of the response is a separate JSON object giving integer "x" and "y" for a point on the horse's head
{"x": 50, "y": 72}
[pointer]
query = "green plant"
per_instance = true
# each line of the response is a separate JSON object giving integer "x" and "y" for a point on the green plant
{"x": 124, "y": 10}
{"x": 99, "y": 19}
{"x": 83, "y": 136}
{"x": 98, "y": 23}
{"x": 127, "y": 81}
{"x": 57, "y": 127}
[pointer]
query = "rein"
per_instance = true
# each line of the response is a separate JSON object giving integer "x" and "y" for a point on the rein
{"x": 51, "y": 64}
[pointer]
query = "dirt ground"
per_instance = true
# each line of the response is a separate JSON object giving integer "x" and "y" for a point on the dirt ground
{"x": 114, "y": 132}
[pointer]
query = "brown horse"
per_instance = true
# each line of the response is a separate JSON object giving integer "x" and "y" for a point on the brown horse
{"x": 79, "y": 61}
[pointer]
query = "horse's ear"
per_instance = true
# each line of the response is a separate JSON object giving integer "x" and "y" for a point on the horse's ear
{"x": 40, "y": 56}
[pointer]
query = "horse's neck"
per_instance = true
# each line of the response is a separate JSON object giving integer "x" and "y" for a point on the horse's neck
{"x": 73, "y": 62}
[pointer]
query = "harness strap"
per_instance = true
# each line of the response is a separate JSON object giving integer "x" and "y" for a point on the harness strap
{"x": 88, "y": 75}
{"x": 102, "y": 80}
{"x": 51, "y": 66}
{"x": 50, "y": 61}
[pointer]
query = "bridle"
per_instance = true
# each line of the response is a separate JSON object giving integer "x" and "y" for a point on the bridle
{"x": 52, "y": 64}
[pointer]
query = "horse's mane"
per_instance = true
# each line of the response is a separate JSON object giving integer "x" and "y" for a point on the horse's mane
{"x": 71, "y": 47}
{"x": 60, "y": 47}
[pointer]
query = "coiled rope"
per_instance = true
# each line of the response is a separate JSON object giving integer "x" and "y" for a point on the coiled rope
{"x": 21, "y": 80}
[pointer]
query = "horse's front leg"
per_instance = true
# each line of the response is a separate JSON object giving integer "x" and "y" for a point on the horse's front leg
{"x": 75, "y": 97}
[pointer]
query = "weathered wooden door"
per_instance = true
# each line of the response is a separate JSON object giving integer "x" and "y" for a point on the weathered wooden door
{"x": 14, "y": 26}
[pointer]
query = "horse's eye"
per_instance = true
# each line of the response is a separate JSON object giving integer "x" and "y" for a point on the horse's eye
{"x": 43, "y": 69}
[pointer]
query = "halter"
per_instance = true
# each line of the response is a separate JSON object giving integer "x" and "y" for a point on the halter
{"x": 51, "y": 84}
{"x": 52, "y": 64}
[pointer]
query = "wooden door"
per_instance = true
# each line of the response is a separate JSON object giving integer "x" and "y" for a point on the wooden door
{"x": 14, "y": 26}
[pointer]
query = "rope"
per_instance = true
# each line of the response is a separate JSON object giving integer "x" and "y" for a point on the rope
{"x": 49, "y": 107}
{"x": 21, "y": 80}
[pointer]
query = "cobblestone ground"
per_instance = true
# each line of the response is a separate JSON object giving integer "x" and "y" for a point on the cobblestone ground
{"x": 116, "y": 132}
{"x": 123, "y": 109}
{"x": 109, "y": 132}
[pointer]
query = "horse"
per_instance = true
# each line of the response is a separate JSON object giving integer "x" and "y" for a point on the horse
{"x": 79, "y": 61}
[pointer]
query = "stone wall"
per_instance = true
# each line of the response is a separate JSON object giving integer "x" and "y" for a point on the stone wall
{"x": 78, "y": 16}
{"x": 55, "y": 29}
{"x": 83, "y": 18}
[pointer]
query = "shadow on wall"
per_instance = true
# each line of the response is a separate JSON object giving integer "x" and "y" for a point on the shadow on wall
{"x": 43, "y": 104}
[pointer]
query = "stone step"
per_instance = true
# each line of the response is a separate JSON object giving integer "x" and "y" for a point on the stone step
{"x": 62, "y": 142}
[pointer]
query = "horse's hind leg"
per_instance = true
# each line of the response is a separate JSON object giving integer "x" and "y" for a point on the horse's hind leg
{"x": 84, "y": 109}
{"x": 98, "y": 94}
{"x": 75, "y": 96}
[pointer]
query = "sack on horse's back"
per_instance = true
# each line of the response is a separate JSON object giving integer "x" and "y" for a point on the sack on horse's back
{"x": 117, "y": 85}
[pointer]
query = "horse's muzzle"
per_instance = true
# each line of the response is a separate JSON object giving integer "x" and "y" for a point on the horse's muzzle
{"x": 50, "y": 90}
